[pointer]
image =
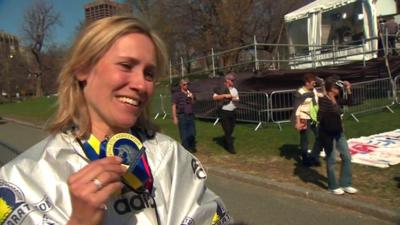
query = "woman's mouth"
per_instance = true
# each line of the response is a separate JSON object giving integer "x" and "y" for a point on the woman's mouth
{"x": 129, "y": 101}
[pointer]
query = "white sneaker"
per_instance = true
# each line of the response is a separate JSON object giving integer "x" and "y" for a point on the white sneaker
{"x": 350, "y": 190}
{"x": 337, "y": 191}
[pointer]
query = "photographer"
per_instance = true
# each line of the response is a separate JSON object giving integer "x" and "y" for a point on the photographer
{"x": 183, "y": 116}
{"x": 338, "y": 93}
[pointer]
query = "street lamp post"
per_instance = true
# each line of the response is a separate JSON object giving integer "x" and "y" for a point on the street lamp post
{"x": 8, "y": 76}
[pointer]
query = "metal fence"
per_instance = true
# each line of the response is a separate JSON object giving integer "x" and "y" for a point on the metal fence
{"x": 397, "y": 88}
{"x": 277, "y": 107}
{"x": 267, "y": 56}
{"x": 162, "y": 106}
{"x": 371, "y": 95}
{"x": 204, "y": 106}
{"x": 253, "y": 107}
{"x": 281, "y": 106}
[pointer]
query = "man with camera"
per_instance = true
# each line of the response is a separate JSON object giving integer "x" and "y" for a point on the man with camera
{"x": 183, "y": 116}
{"x": 330, "y": 132}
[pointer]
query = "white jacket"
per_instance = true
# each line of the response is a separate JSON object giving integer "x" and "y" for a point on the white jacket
{"x": 33, "y": 188}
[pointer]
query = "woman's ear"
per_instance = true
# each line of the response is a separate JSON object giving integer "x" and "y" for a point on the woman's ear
{"x": 81, "y": 76}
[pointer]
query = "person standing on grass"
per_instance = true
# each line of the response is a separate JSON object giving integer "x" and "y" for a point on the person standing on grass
{"x": 306, "y": 103}
{"x": 331, "y": 133}
{"x": 183, "y": 116}
{"x": 228, "y": 97}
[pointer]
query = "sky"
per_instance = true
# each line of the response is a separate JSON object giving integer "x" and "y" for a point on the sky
{"x": 71, "y": 11}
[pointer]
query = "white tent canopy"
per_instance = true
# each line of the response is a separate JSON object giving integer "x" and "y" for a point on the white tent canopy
{"x": 316, "y": 6}
{"x": 332, "y": 22}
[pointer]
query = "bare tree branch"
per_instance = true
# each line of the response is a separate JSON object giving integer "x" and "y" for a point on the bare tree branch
{"x": 193, "y": 27}
{"x": 39, "y": 21}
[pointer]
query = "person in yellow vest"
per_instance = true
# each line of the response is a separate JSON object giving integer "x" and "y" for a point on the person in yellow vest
{"x": 306, "y": 103}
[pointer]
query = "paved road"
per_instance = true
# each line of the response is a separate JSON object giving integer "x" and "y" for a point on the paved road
{"x": 15, "y": 138}
{"x": 259, "y": 206}
{"x": 248, "y": 203}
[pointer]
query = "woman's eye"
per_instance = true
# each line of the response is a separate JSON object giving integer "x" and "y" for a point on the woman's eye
{"x": 149, "y": 74}
{"x": 125, "y": 66}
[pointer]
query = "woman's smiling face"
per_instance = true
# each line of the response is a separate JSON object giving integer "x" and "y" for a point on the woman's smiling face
{"x": 120, "y": 85}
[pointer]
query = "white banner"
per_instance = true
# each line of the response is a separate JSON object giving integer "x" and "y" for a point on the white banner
{"x": 379, "y": 150}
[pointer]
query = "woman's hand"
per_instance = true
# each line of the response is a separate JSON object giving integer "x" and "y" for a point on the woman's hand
{"x": 347, "y": 85}
{"x": 91, "y": 187}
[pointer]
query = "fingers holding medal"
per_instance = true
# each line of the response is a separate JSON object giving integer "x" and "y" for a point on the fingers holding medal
{"x": 131, "y": 150}
{"x": 93, "y": 185}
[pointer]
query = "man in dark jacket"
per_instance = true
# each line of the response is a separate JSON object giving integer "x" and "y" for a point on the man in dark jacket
{"x": 332, "y": 136}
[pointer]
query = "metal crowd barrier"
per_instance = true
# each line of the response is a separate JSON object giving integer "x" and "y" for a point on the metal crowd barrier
{"x": 371, "y": 95}
{"x": 277, "y": 107}
{"x": 397, "y": 89}
{"x": 281, "y": 106}
{"x": 253, "y": 107}
{"x": 163, "y": 106}
{"x": 204, "y": 106}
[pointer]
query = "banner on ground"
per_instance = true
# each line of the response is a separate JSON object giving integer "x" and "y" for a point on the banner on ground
{"x": 379, "y": 150}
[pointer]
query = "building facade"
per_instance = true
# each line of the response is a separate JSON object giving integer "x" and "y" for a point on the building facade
{"x": 8, "y": 43}
{"x": 105, "y": 8}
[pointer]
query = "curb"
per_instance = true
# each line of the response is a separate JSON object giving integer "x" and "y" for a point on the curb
{"x": 323, "y": 197}
{"x": 21, "y": 122}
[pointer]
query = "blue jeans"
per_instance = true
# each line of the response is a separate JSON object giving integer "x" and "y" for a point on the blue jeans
{"x": 187, "y": 130}
{"x": 330, "y": 142}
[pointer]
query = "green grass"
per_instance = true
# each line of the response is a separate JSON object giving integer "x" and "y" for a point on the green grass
{"x": 373, "y": 122}
{"x": 33, "y": 110}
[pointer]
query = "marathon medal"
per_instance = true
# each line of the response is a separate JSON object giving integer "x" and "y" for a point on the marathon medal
{"x": 127, "y": 147}
{"x": 131, "y": 150}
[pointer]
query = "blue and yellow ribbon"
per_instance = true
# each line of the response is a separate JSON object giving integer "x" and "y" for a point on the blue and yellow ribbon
{"x": 132, "y": 152}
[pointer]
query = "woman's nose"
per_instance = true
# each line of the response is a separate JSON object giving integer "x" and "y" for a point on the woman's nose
{"x": 137, "y": 80}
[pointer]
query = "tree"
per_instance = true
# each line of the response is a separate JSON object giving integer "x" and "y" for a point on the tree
{"x": 54, "y": 56}
{"x": 39, "y": 21}
{"x": 13, "y": 77}
{"x": 192, "y": 27}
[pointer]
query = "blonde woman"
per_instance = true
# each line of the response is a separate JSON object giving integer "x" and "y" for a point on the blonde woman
{"x": 102, "y": 163}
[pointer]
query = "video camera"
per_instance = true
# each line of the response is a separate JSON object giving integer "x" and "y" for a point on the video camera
{"x": 319, "y": 82}
{"x": 340, "y": 84}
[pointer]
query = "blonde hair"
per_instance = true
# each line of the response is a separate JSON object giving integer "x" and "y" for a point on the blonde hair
{"x": 90, "y": 46}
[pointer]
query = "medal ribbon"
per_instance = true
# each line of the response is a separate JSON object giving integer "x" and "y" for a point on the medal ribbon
{"x": 94, "y": 149}
{"x": 138, "y": 177}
